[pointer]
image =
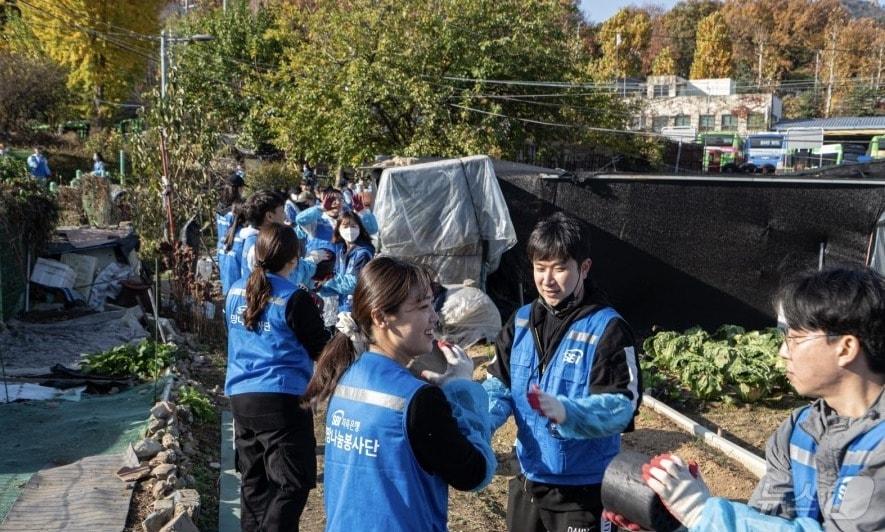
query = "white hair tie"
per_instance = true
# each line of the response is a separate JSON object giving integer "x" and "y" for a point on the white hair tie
{"x": 351, "y": 330}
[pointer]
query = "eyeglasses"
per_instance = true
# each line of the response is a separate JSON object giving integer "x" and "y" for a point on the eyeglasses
{"x": 797, "y": 340}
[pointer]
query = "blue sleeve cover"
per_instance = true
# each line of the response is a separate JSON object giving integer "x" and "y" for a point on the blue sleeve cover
{"x": 342, "y": 284}
{"x": 500, "y": 401}
{"x": 369, "y": 222}
{"x": 470, "y": 406}
{"x": 722, "y": 514}
{"x": 596, "y": 416}
{"x": 303, "y": 272}
{"x": 309, "y": 216}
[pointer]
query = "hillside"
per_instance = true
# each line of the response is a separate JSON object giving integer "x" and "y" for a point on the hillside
{"x": 865, "y": 9}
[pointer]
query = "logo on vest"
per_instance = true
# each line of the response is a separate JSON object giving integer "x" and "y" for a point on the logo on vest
{"x": 237, "y": 319}
{"x": 341, "y": 434}
{"x": 573, "y": 356}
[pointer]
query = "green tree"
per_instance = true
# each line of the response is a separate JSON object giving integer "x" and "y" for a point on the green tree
{"x": 105, "y": 45}
{"x": 225, "y": 74}
{"x": 664, "y": 64}
{"x": 422, "y": 89}
{"x": 31, "y": 88}
{"x": 625, "y": 39}
{"x": 712, "y": 57}
{"x": 682, "y": 25}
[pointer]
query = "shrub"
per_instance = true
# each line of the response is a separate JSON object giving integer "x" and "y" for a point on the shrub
{"x": 31, "y": 88}
{"x": 272, "y": 176}
{"x": 200, "y": 405}
{"x": 144, "y": 360}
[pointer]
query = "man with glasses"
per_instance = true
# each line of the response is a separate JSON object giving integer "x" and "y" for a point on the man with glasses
{"x": 565, "y": 367}
{"x": 826, "y": 463}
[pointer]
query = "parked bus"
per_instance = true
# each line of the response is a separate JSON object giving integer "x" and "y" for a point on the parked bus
{"x": 722, "y": 151}
{"x": 764, "y": 152}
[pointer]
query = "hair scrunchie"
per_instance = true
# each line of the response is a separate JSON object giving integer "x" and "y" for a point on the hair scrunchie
{"x": 261, "y": 264}
{"x": 351, "y": 330}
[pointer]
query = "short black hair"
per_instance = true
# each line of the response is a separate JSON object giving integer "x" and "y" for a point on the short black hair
{"x": 558, "y": 237}
{"x": 838, "y": 301}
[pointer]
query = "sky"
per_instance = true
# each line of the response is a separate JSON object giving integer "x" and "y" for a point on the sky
{"x": 600, "y": 10}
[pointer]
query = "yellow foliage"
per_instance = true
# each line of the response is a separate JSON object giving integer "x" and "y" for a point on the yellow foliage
{"x": 712, "y": 56}
{"x": 664, "y": 64}
{"x": 104, "y": 44}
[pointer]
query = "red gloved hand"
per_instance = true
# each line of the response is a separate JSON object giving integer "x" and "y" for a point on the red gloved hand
{"x": 620, "y": 521}
{"x": 534, "y": 396}
{"x": 329, "y": 200}
{"x": 357, "y": 203}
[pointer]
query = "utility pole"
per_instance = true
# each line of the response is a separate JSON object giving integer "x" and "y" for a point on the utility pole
{"x": 879, "y": 69}
{"x": 759, "y": 76}
{"x": 163, "y": 64}
{"x": 224, "y": 5}
{"x": 832, "y": 75}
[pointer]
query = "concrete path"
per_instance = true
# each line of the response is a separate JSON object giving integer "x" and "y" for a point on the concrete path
{"x": 229, "y": 497}
{"x": 84, "y": 496}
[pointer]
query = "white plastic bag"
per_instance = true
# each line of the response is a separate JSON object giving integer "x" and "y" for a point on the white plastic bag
{"x": 468, "y": 316}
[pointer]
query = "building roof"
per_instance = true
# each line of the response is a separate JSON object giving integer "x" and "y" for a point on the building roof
{"x": 840, "y": 123}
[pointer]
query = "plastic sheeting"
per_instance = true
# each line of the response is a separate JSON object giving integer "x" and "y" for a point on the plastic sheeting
{"x": 449, "y": 215}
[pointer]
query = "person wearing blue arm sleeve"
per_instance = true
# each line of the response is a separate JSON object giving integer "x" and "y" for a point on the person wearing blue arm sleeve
{"x": 565, "y": 367}
{"x": 319, "y": 222}
{"x": 354, "y": 250}
{"x": 394, "y": 443}
{"x": 825, "y": 464}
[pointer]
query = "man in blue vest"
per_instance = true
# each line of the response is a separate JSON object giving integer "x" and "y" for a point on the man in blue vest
{"x": 566, "y": 369}
{"x": 826, "y": 463}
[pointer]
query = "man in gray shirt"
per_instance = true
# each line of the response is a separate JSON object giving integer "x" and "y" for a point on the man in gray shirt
{"x": 826, "y": 463}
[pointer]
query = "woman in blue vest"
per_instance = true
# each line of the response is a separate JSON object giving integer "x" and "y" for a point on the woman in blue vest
{"x": 274, "y": 334}
{"x": 262, "y": 209}
{"x": 229, "y": 207}
{"x": 825, "y": 464}
{"x": 354, "y": 250}
{"x": 394, "y": 443}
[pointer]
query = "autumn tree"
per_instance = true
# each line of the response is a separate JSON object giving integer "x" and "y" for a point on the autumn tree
{"x": 664, "y": 64}
{"x": 681, "y": 24}
{"x": 712, "y": 57}
{"x": 776, "y": 39}
{"x": 624, "y": 38}
{"x": 103, "y": 44}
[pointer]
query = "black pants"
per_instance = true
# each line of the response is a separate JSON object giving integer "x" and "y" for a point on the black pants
{"x": 554, "y": 509}
{"x": 276, "y": 459}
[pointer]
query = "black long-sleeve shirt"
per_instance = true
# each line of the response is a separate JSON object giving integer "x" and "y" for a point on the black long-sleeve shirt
{"x": 439, "y": 446}
{"x": 303, "y": 317}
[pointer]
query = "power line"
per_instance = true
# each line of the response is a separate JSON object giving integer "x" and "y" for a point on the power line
{"x": 556, "y": 124}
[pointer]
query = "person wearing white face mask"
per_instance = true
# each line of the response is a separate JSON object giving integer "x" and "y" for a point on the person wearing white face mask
{"x": 353, "y": 250}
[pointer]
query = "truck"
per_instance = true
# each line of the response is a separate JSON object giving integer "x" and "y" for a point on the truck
{"x": 764, "y": 153}
{"x": 722, "y": 151}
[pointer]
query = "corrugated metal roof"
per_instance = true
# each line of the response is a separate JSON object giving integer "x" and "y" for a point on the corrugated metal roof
{"x": 844, "y": 122}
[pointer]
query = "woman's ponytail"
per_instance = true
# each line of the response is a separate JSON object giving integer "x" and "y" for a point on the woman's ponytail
{"x": 257, "y": 296}
{"x": 234, "y": 228}
{"x": 338, "y": 355}
{"x": 276, "y": 247}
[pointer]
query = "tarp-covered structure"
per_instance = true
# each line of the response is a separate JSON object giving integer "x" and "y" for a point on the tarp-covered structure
{"x": 448, "y": 214}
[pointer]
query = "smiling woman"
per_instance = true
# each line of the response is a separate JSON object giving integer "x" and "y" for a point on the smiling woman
{"x": 395, "y": 443}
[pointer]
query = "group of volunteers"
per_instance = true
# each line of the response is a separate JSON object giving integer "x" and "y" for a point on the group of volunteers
{"x": 565, "y": 368}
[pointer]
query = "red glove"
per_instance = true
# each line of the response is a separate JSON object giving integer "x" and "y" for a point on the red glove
{"x": 620, "y": 521}
{"x": 357, "y": 203}
{"x": 656, "y": 462}
{"x": 534, "y": 396}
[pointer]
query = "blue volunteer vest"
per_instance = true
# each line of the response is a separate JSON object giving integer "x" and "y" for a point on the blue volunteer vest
{"x": 373, "y": 481}
{"x": 804, "y": 469}
{"x": 228, "y": 261}
{"x": 222, "y": 225}
{"x": 250, "y": 237}
{"x": 345, "y": 264}
{"x": 322, "y": 236}
{"x": 543, "y": 454}
{"x": 269, "y": 359}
